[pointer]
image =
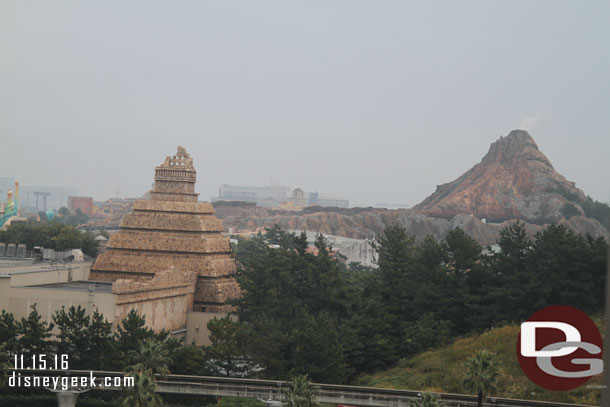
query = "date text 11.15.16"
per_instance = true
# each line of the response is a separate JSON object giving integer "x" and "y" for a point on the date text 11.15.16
{"x": 56, "y": 362}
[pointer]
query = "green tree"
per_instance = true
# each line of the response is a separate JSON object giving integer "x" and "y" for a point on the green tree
{"x": 152, "y": 357}
{"x": 72, "y": 338}
{"x": 513, "y": 291}
{"x": 396, "y": 285}
{"x": 226, "y": 355}
{"x": 131, "y": 332}
{"x": 287, "y": 293}
{"x": 317, "y": 348}
{"x": 464, "y": 252}
{"x": 33, "y": 334}
{"x": 8, "y": 331}
{"x": 101, "y": 348}
{"x": 5, "y": 365}
{"x": 299, "y": 393}
{"x": 569, "y": 269}
{"x": 143, "y": 393}
{"x": 51, "y": 235}
{"x": 367, "y": 345}
{"x": 481, "y": 374}
{"x": 188, "y": 360}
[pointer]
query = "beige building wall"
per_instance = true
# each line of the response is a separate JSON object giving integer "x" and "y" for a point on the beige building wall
{"x": 197, "y": 332}
{"x": 49, "y": 300}
{"x": 5, "y": 287}
{"x": 37, "y": 275}
{"x": 166, "y": 301}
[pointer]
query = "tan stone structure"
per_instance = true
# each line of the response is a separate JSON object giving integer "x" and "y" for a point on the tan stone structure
{"x": 173, "y": 229}
{"x": 169, "y": 293}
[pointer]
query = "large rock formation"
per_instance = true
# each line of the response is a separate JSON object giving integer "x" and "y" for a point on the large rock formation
{"x": 514, "y": 180}
{"x": 173, "y": 230}
{"x": 363, "y": 223}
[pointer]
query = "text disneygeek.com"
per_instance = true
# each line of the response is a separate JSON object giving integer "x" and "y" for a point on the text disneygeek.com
{"x": 58, "y": 382}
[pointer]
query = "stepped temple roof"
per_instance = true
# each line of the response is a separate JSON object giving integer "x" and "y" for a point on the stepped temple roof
{"x": 173, "y": 230}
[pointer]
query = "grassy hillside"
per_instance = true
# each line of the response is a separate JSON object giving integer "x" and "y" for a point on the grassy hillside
{"x": 442, "y": 370}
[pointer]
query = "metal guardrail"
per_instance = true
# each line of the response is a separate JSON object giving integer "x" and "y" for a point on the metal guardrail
{"x": 272, "y": 390}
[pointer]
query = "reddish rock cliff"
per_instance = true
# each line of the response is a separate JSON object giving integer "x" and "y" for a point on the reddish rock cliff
{"x": 515, "y": 180}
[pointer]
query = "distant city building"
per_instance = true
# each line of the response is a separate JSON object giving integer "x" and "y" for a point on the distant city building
{"x": 278, "y": 196}
{"x": 334, "y": 201}
{"x": 346, "y": 249}
{"x": 83, "y": 203}
{"x": 34, "y": 199}
{"x": 113, "y": 206}
{"x": 263, "y": 196}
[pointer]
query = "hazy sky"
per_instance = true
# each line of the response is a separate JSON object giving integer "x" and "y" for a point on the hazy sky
{"x": 378, "y": 101}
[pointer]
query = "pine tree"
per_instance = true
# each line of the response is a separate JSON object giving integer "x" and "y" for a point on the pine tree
{"x": 72, "y": 338}
{"x": 33, "y": 335}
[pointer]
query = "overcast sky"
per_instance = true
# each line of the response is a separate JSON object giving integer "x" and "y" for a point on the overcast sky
{"x": 378, "y": 101}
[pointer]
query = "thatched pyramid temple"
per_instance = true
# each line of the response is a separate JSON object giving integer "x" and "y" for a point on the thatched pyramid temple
{"x": 173, "y": 230}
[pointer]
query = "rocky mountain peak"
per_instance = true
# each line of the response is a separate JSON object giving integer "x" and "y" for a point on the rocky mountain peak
{"x": 517, "y": 146}
{"x": 514, "y": 180}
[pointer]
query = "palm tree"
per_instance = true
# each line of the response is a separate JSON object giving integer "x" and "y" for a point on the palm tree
{"x": 152, "y": 358}
{"x": 481, "y": 374}
{"x": 143, "y": 393}
{"x": 427, "y": 400}
{"x": 300, "y": 393}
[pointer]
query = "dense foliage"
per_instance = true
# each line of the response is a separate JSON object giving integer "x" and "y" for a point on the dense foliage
{"x": 446, "y": 369}
{"x": 50, "y": 235}
{"x": 303, "y": 312}
{"x": 309, "y": 314}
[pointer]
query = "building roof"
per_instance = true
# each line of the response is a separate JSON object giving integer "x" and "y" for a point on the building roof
{"x": 94, "y": 286}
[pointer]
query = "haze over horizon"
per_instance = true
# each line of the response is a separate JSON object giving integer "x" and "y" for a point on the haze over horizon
{"x": 378, "y": 102}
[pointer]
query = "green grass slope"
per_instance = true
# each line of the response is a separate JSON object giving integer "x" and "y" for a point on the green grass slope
{"x": 442, "y": 370}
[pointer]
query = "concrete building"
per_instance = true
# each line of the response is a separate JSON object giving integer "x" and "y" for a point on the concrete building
{"x": 278, "y": 196}
{"x": 263, "y": 196}
{"x": 164, "y": 300}
{"x": 50, "y": 286}
{"x": 332, "y": 201}
{"x": 347, "y": 249}
{"x": 34, "y": 199}
{"x": 83, "y": 203}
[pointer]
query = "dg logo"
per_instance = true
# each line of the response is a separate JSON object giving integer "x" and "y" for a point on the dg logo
{"x": 560, "y": 348}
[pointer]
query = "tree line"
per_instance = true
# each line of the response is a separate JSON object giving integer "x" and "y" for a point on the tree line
{"x": 302, "y": 313}
{"x": 309, "y": 314}
{"x": 51, "y": 235}
{"x": 91, "y": 344}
